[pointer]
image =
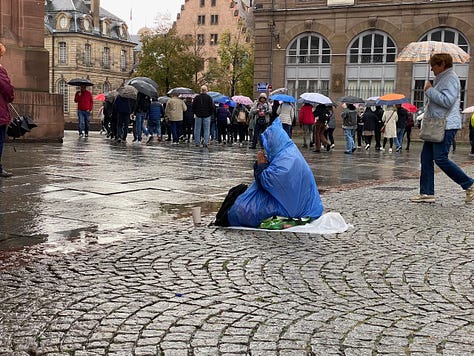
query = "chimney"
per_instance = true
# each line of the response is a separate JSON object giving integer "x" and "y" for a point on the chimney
{"x": 95, "y": 8}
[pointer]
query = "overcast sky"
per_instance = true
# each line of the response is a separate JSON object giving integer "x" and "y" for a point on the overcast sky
{"x": 143, "y": 11}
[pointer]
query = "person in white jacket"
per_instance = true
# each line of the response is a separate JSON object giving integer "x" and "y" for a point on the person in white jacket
{"x": 286, "y": 113}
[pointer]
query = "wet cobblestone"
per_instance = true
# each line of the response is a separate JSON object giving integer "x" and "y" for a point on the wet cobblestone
{"x": 400, "y": 282}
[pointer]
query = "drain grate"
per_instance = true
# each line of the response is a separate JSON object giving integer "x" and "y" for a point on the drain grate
{"x": 394, "y": 189}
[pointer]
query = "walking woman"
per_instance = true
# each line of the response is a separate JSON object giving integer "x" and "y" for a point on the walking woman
{"x": 443, "y": 101}
{"x": 6, "y": 96}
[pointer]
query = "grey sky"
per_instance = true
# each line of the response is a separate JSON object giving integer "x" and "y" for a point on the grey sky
{"x": 143, "y": 11}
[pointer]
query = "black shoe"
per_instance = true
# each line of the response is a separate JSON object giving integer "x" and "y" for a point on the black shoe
{"x": 149, "y": 139}
{"x": 328, "y": 147}
{"x": 134, "y": 140}
{"x": 253, "y": 147}
{"x": 353, "y": 150}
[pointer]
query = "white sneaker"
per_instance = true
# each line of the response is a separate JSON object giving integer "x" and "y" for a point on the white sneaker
{"x": 390, "y": 150}
{"x": 367, "y": 146}
{"x": 469, "y": 194}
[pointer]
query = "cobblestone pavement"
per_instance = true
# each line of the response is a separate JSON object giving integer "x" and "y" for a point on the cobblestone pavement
{"x": 400, "y": 282}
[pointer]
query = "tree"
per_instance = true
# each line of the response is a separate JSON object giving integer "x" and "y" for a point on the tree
{"x": 166, "y": 59}
{"x": 233, "y": 71}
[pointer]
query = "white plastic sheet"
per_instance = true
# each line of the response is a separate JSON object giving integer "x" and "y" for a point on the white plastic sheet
{"x": 328, "y": 223}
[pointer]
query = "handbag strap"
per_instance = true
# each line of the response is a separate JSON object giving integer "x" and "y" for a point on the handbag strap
{"x": 386, "y": 122}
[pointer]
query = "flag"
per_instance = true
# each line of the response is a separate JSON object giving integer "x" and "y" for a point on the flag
{"x": 130, "y": 14}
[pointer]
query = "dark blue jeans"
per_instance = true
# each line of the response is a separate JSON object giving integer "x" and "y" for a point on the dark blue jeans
{"x": 176, "y": 130}
{"x": 432, "y": 153}
{"x": 123, "y": 119}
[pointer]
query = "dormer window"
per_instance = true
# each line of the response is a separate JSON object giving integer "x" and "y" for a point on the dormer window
{"x": 87, "y": 24}
{"x": 63, "y": 22}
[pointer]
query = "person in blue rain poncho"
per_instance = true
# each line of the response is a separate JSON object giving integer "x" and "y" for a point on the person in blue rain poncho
{"x": 284, "y": 185}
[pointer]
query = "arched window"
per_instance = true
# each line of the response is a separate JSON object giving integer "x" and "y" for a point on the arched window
{"x": 421, "y": 71}
{"x": 372, "y": 48}
{"x": 308, "y": 65}
{"x": 371, "y": 66}
{"x": 63, "y": 89}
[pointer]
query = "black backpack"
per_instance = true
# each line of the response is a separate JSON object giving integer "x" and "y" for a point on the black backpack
{"x": 231, "y": 197}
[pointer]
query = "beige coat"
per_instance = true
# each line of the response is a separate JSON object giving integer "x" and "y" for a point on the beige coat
{"x": 175, "y": 107}
{"x": 390, "y": 118}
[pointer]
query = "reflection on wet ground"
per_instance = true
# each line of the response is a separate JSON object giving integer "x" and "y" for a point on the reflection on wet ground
{"x": 94, "y": 191}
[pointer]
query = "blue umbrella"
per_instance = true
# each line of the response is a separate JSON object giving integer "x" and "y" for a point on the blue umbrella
{"x": 221, "y": 99}
{"x": 283, "y": 97}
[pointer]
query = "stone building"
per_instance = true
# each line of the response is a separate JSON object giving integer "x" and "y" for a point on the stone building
{"x": 205, "y": 20}
{"x": 85, "y": 41}
{"x": 26, "y": 60}
{"x": 349, "y": 47}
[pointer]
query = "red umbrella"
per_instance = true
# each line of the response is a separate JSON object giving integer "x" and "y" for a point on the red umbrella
{"x": 100, "y": 97}
{"x": 409, "y": 107}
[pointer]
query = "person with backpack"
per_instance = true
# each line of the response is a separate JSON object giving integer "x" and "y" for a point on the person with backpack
{"x": 241, "y": 117}
{"x": 261, "y": 111}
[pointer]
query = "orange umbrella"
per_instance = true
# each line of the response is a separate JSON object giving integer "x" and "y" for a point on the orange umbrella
{"x": 100, "y": 97}
{"x": 392, "y": 99}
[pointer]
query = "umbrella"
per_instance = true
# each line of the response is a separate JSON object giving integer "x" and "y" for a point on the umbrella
{"x": 350, "y": 99}
{"x": 371, "y": 101}
{"x": 144, "y": 88}
{"x": 279, "y": 91}
{"x": 315, "y": 98}
{"x": 127, "y": 91}
{"x": 100, "y": 97}
{"x": 144, "y": 79}
{"x": 80, "y": 81}
{"x": 283, "y": 97}
{"x": 215, "y": 95}
{"x": 184, "y": 96}
{"x": 422, "y": 51}
{"x": 468, "y": 110}
{"x": 180, "y": 90}
{"x": 163, "y": 99}
{"x": 242, "y": 99}
{"x": 392, "y": 99}
{"x": 223, "y": 99}
{"x": 410, "y": 107}
{"x": 111, "y": 95}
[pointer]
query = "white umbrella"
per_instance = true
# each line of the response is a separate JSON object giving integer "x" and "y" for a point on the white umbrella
{"x": 316, "y": 98}
{"x": 242, "y": 99}
{"x": 468, "y": 110}
{"x": 279, "y": 91}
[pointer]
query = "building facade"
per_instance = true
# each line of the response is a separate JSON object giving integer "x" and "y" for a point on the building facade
{"x": 85, "y": 41}
{"x": 205, "y": 20}
{"x": 21, "y": 31}
{"x": 349, "y": 47}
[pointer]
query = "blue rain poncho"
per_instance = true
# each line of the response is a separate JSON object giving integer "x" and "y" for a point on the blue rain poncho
{"x": 286, "y": 187}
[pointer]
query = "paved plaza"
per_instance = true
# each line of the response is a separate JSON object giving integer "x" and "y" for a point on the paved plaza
{"x": 100, "y": 257}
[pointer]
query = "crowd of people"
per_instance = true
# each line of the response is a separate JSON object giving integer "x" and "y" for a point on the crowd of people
{"x": 200, "y": 121}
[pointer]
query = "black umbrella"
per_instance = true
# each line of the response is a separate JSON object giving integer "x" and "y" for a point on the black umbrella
{"x": 80, "y": 81}
{"x": 180, "y": 90}
{"x": 144, "y": 79}
{"x": 351, "y": 100}
{"x": 144, "y": 88}
{"x": 127, "y": 91}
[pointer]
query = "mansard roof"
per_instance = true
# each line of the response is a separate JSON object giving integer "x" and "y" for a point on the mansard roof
{"x": 77, "y": 11}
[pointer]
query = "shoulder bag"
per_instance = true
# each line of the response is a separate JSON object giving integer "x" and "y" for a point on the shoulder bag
{"x": 432, "y": 129}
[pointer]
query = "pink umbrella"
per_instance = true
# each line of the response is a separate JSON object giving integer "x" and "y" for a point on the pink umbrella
{"x": 410, "y": 107}
{"x": 242, "y": 99}
{"x": 100, "y": 97}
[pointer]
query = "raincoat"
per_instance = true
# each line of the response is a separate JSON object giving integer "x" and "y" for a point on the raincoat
{"x": 286, "y": 187}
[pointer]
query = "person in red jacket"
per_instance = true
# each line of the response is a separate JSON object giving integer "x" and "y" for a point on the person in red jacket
{"x": 306, "y": 120}
{"x": 83, "y": 98}
{"x": 6, "y": 96}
